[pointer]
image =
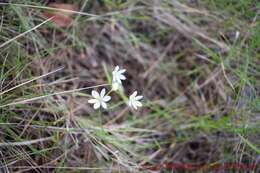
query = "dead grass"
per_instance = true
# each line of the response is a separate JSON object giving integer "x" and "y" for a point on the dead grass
{"x": 199, "y": 77}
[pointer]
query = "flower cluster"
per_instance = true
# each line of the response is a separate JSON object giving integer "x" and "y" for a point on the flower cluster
{"x": 100, "y": 100}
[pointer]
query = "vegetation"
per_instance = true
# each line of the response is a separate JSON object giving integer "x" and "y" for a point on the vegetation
{"x": 197, "y": 64}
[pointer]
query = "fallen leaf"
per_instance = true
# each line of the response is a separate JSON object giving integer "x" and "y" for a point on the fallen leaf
{"x": 60, "y": 20}
{"x": 69, "y": 7}
{"x": 63, "y": 17}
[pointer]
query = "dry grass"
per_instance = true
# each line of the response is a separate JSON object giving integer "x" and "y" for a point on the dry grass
{"x": 200, "y": 79}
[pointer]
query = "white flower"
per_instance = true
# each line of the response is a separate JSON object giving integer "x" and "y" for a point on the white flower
{"x": 118, "y": 75}
{"x": 99, "y": 99}
{"x": 134, "y": 100}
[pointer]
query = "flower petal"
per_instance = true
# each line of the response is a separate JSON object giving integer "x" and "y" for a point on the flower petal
{"x": 133, "y": 95}
{"x": 116, "y": 68}
{"x": 106, "y": 98}
{"x": 129, "y": 103}
{"x": 104, "y": 105}
{"x": 122, "y": 77}
{"x": 96, "y": 105}
{"x": 103, "y": 92}
{"x": 95, "y": 94}
{"x": 92, "y": 101}
{"x": 139, "y": 104}
{"x": 122, "y": 71}
{"x": 138, "y": 97}
{"x": 134, "y": 106}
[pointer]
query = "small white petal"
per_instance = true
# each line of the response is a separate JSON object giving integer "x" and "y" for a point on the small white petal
{"x": 139, "y": 104}
{"x": 104, "y": 105}
{"x": 138, "y": 97}
{"x": 122, "y": 71}
{"x": 106, "y": 98}
{"x": 134, "y": 106}
{"x": 92, "y": 101}
{"x": 116, "y": 68}
{"x": 134, "y": 94}
{"x": 129, "y": 103}
{"x": 237, "y": 35}
{"x": 95, "y": 94}
{"x": 97, "y": 105}
{"x": 103, "y": 92}
{"x": 122, "y": 77}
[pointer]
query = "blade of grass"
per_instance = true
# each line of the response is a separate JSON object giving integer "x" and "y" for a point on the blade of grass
{"x": 53, "y": 94}
{"x": 249, "y": 144}
{"x": 36, "y": 78}
{"x": 26, "y": 32}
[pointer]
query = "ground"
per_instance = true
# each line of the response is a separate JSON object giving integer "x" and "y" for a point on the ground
{"x": 197, "y": 64}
